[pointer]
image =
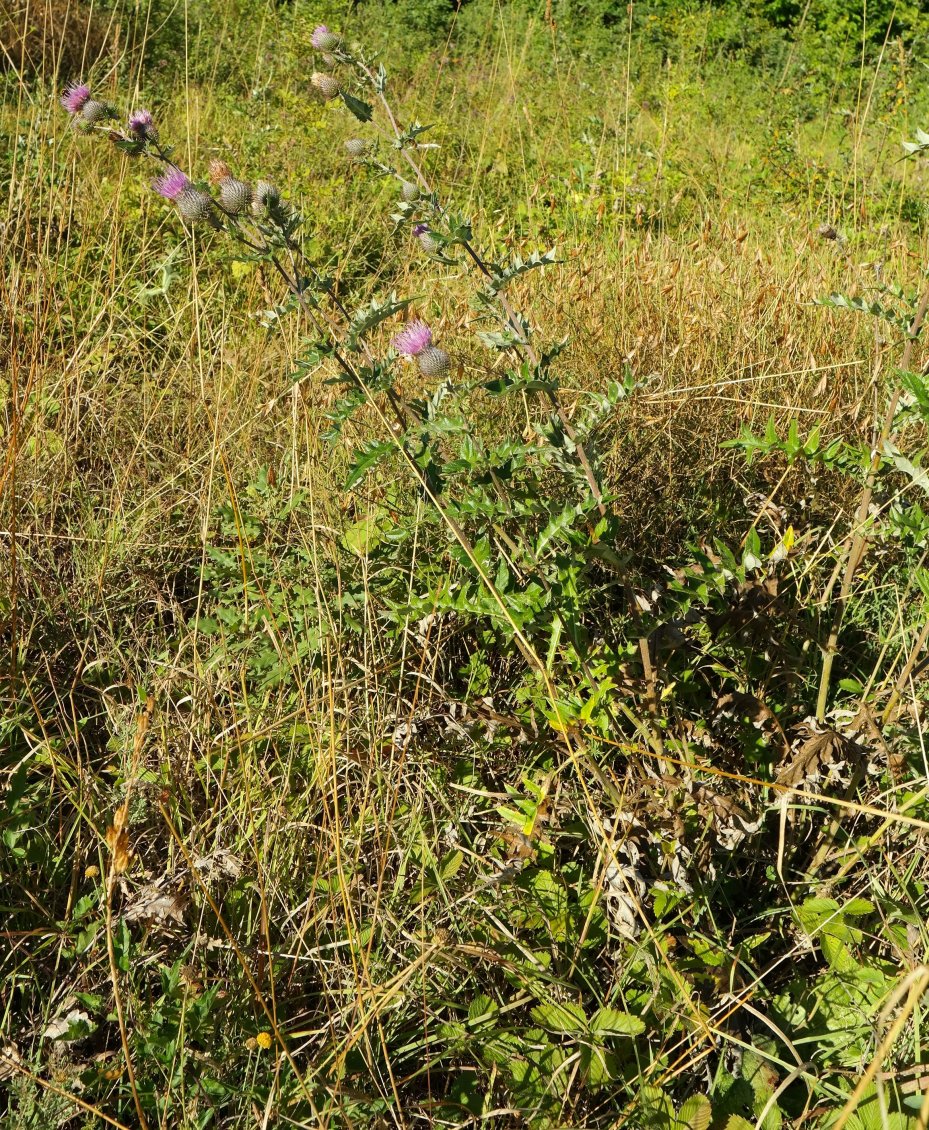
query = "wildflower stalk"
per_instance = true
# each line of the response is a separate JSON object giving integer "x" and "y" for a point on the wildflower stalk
{"x": 856, "y": 543}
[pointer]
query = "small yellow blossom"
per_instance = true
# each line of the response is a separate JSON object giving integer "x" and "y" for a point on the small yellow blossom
{"x": 263, "y": 1040}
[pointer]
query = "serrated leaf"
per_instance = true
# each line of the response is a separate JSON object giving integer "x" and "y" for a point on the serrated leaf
{"x": 362, "y": 110}
{"x": 613, "y": 1022}
{"x": 366, "y": 459}
{"x": 695, "y": 1114}
{"x": 564, "y": 1018}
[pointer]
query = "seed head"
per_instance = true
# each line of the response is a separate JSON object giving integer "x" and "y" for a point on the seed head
{"x": 327, "y": 85}
{"x": 76, "y": 97}
{"x": 356, "y": 147}
{"x": 218, "y": 171}
{"x": 142, "y": 126}
{"x": 427, "y": 240}
{"x": 323, "y": 39}
{"x": 409, "y": 191}
{"x": 433, "y": 362}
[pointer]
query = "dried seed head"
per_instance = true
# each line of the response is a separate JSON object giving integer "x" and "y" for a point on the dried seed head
{"x": 327, "y": 85}
{"x": 432, "y": 361}
{"x": 219, "y": 170}
{"x": 409, "y": 191}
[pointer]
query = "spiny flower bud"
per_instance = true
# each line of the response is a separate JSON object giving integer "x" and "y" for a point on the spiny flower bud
{"x": 93, "y": 112}
{"x": 427, "y": 240}
{"x": 408, "y": 191}
{"x": 323, "y": 39}
{"x": 433, "y": 362}
{"x": 234, "y": 195}
{"x": 266, "y": 201}
{"x": 327, "y": 85}
{"x": 197, "y": 207}
{"x": 356, "y": 147}
{"x": 329, "y": 60}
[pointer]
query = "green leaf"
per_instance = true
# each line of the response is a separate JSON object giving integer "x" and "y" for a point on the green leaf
{"x": 565, "y": 1018}
{"x": 366, "y": 459}
{"x": 695, "y": 1114}
{"x": 362, "y": 110}
{"x": 612, "y": 1022}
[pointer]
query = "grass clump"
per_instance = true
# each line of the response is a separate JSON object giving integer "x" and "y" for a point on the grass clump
{"x": 465, "y": 592}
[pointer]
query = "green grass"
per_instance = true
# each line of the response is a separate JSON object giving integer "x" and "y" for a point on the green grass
{"x": 296, "y": 828}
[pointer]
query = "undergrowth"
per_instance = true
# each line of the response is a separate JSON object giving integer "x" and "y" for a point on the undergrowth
{"x": 465, "y": 591}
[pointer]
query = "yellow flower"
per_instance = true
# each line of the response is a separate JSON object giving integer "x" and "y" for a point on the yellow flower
{"x": 263, "y": 1040}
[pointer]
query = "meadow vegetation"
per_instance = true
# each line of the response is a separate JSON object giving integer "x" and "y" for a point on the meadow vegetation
{"x": 518, "y": 722}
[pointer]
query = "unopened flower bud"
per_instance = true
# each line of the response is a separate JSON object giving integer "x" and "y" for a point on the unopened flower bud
{"x": 329, "y": 60}
{"x": 409, "y": 192}
{"x": 235, "y": 195}
{"x": 197, "y": 207}
{"x": 327, "y": 85}
{"x": 323, "y": 39}
{"x": 356, "y": 147}
{"x": 93, "y": 112}
{"x": 427, "y": 240}
{"x": 432, "y": 361}
{"x": 265, "y": 198}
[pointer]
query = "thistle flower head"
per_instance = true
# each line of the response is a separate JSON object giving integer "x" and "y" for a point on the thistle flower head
{"x": 141, "y": 124}
{"x": 427, "y": 240}
{"x": 357, "y": 147}
{"x": 413, "y": 339}
{"x": 327, "y": 85}
{"x": 76, "y": 97}
{"x": 409, "y": 192}
{"x": 171, "y": 184}
{"x": 197, "y": 207}
{"x": 420, "y": 229}
{"x": 92, "y": 112}
{"x": 323, "y": 39}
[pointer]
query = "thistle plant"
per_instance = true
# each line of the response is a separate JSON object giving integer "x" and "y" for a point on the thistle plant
{"x": 528, "y": 516}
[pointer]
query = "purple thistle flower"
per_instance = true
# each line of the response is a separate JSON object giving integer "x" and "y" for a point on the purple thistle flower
{"x": 420, "y": 229}
{"x": 76, "y": 97}
{"x": 413, "y": 339}
{"x": 323, "y": 39}
{"x": 141, "y": 124}
{"x": 171, "y": 185}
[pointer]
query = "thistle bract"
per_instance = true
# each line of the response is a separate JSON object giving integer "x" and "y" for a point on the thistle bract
{"x": 357, "y": 147}
{"x": 327, "y": 85}
{"x": 323, "y": 39}
{"x": 197, "y": 207}
{"x": 92, "y": 112}
{"x": 234, "y": 195}
{"x": 433, "y": 362}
